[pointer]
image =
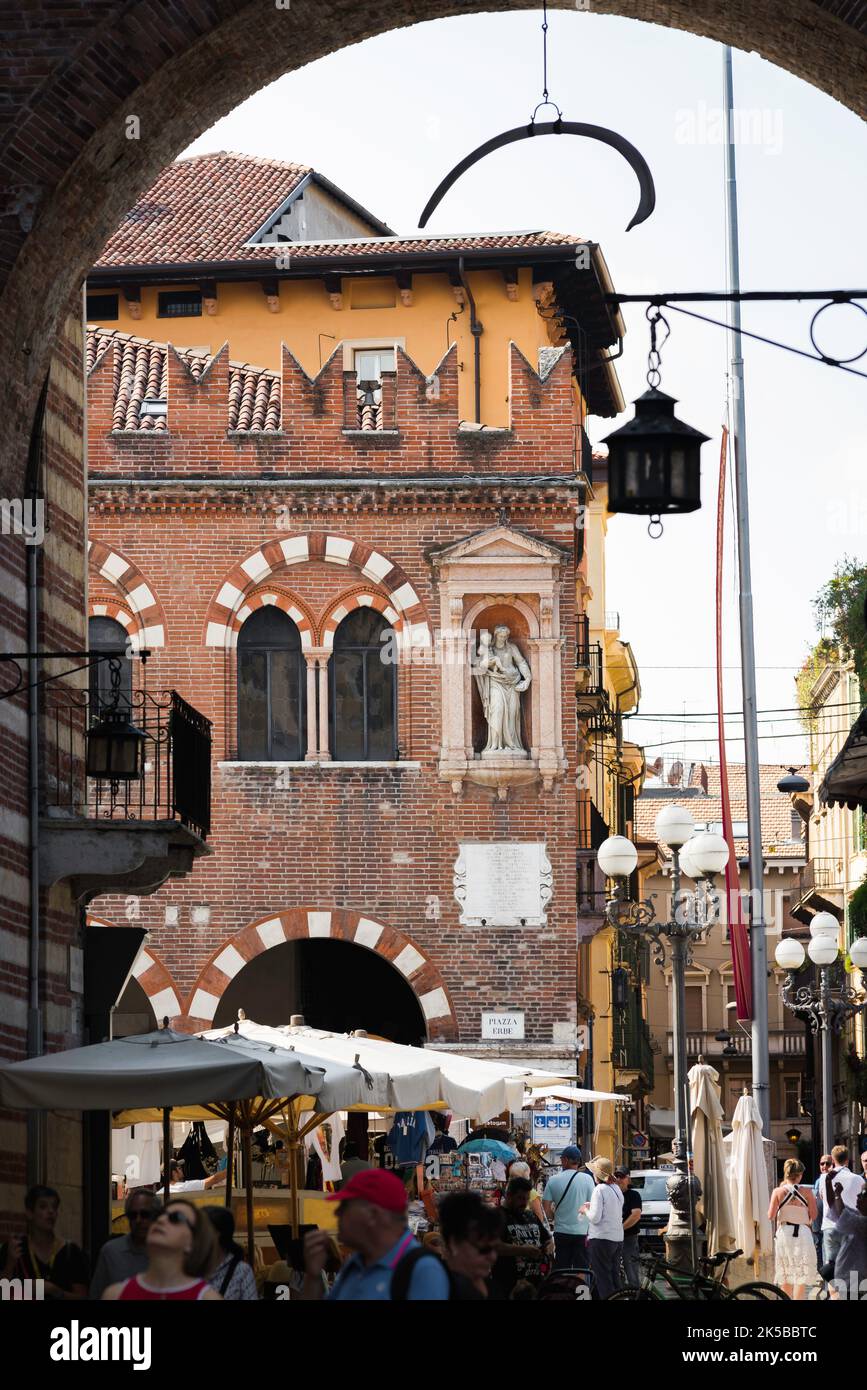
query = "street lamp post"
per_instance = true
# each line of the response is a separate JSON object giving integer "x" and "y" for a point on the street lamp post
{"x": 826, "y": 1006}
{"x": 701, "y": 857}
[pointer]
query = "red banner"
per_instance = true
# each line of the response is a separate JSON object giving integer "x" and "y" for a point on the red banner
{"x": 738, "y": 936}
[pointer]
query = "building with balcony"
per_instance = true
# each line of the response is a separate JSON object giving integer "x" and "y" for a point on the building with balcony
{"x": 712, "y": 1028}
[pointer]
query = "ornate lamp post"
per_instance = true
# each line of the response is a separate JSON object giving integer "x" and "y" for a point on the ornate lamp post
{"x": 700, "y": 856}
{"x": 827, "y": 1006}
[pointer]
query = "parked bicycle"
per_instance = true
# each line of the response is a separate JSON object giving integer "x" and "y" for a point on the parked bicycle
{"x": 662, "y": 1280}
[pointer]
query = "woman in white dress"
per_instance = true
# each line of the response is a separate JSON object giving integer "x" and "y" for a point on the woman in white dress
{"x": 793, "y": 1210}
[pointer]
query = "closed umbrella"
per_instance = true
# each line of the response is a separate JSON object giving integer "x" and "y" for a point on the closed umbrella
{"x": 709, "y": 1158}
{"x": 748, "y": 1180}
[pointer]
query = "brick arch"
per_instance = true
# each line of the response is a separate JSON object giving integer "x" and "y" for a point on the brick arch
{"x": 154, "y": 977}
{"x": 341, "y": 607}
{"x": 222, "y": 617}
{"x": 112, "y": 609}
{"x": 287, "y": 603}
{"x": 139, "y": 600}
{"x": 338, "y": 924}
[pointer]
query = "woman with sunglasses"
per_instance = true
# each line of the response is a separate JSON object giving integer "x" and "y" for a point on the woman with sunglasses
{"x": 181, "y": 1248}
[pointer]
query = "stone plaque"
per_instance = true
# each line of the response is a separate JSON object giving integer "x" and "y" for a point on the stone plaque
{"x": 507, "y": 1024}
{"x": 503, "y": 884}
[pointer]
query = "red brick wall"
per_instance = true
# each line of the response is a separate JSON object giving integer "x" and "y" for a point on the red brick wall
{"x": 379, "y": 841}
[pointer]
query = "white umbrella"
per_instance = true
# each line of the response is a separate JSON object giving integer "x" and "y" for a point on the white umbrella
{"x": 709, "y": 1157}
{"x": 577, "y": 1094}
{"x": 748, "y": 1180}
{"x": 408, "y": 1078}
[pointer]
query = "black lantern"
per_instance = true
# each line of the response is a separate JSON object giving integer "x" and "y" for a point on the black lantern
{"x": 654, "y": 460}
{"x": 793, "y": 1135}
{"x": 115, "y": 748}
{"x": 620, "y": 987}
{"x": 793, "y": 783}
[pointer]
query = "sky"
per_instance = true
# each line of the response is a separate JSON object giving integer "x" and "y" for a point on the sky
{"x": 386, "y": 119}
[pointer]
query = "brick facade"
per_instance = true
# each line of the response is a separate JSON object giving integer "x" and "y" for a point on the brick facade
{"x": 317, "y": 519}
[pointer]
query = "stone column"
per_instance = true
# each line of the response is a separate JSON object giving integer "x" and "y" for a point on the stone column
{"x": 322, "y": 663}
{"x": 312, "y": 741}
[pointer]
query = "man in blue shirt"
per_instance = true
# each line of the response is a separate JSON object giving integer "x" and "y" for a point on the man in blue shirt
{"x": 371, "y": 1220}
{"x": 564, "y": 1194}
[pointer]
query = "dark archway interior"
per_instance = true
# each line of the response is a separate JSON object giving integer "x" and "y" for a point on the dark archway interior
{"x": 334, "y": 984}
{"x": 133, "y": 1013}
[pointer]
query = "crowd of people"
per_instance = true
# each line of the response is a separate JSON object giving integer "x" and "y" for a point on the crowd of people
{"x": 586, "y": 1219}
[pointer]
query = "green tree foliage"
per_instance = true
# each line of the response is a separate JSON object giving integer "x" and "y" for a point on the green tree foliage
{"x": 839, "y": 606}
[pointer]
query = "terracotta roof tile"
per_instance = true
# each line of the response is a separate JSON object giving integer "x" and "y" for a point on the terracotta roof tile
{"x": 140, "y": 374}
{"x": 206, "y": 208}
{"x": 707, "y": 807}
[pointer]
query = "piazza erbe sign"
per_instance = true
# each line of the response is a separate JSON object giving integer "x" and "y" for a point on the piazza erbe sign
{"x": 503, "y": 1025}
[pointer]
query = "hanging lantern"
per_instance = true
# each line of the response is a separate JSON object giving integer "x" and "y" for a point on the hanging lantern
{"x": 654, "y": 460}
{"x": 654, "y": 463}
{"x": 793, "y": 783}
{"x": 115, "y": 748}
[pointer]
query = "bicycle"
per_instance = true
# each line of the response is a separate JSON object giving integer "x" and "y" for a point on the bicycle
{"x": 695, "y": 1285}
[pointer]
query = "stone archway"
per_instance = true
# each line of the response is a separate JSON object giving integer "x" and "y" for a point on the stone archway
{"x": 337, "y": 924}
{"x": 77, "y": 150}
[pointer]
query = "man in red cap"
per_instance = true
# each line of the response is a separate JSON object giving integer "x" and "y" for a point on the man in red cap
{"x": 388, "y": 1261}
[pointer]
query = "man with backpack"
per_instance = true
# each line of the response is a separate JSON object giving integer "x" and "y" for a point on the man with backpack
{"x": 563, "y": 1198}
{"x": 387, "y": 1263}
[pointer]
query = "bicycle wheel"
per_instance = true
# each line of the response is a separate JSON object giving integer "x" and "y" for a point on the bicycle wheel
{"x": 631, "y": 1294}
{"x": 757, "y": 1290}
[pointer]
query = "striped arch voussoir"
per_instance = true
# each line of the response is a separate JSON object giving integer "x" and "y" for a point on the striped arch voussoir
{"x": 155, "y": 979}
{"x": 363, "y": 598}
{"x": 222, "y": 619}
{"x": 275, "y": 599}
{"x": 149, "y": 628}
{"x": 339, "y": 924}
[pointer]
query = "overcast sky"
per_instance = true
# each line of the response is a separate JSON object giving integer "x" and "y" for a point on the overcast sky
{"x": 387, "y": 119}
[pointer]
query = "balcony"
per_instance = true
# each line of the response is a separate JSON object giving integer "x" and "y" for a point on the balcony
{"x": 124, "y": 837}
{"x": 632, "y": 1050}
{"x": 782, "y": 1043}
{"x": 590, "y": 690}
{"x": 820, "y": 889}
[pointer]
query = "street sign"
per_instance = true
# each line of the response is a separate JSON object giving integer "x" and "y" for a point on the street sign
{"x": 503, "y": 1025}
{"x": 553, "y": 1125}
{"x": 639, "y": 1141}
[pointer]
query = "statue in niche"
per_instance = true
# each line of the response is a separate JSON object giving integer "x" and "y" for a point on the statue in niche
{"x": 501, "y": 674}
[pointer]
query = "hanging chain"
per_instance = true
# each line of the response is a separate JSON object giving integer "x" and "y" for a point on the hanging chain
{"x": 545, "y": 100}
{"x": 655, "y": 316}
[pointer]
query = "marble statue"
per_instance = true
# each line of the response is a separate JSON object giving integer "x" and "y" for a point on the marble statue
{"x": 501, "y": 674}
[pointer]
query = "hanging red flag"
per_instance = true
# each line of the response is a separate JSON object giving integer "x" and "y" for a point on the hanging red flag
{"x": 738, "y": 936}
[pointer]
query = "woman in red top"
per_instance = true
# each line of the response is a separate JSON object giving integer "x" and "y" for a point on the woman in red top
{"x": 182, "y": 1251}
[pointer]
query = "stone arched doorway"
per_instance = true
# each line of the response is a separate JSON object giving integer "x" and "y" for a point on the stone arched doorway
{"x": 215, "y": 994}
{"x": 79, "y": 150}
{"x": 332, "y": 984}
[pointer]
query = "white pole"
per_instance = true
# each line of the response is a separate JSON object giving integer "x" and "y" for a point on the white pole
{"x": 758, "y": 942}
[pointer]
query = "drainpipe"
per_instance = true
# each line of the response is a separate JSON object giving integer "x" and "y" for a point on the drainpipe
{"x": 35, "y": 1118}
{"x": 477, "y": 330}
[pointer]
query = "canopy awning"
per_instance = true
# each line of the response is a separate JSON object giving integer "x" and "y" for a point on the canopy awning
{"x": 845, "y": 782}
{"x": 577, "y": 1094}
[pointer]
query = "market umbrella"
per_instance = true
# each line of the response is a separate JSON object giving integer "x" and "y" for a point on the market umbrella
{"x": 709, "y": 1157}
{"x": 748, "y": 1180}
{"x": 156, "y": 1071}
{"x": 506, "y": 1153}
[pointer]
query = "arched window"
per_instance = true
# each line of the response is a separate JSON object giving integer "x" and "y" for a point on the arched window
{"x": 270, "y": 688}
{"x": 107, "y": 637}
{"x": 363, "y": 704}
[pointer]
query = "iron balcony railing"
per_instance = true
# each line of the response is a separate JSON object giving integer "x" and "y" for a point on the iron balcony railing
{"x": 176, "y": 777}
{"x": 781, "y": 1043}
{"x": 631, "y": 1043}
{"x": 588, "y": 656}
{"x": 817, "y": 874}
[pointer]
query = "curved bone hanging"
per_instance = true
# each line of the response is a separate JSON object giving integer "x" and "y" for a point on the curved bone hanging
{"x": 635, "y": 160}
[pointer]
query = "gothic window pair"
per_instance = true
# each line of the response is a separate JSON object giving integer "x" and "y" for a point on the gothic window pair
{"x": 272, "y": 690}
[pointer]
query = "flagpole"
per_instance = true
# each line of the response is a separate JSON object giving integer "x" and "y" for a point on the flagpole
{"x": 758, "y": 942}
